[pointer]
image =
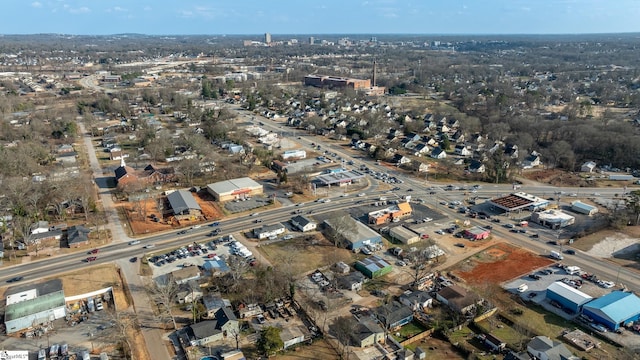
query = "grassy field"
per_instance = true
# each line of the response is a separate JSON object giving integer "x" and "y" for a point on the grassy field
{"x": 305, "y": 253}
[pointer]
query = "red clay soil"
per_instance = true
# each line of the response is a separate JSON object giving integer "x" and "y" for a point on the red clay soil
{"x": 500, "y": 263}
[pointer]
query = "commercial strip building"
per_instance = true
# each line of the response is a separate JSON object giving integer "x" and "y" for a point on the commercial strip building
{"x": 33, "y": 305}
{"x": 519, "y": 201}
{"x": 554, "y": 219}
{"x": 393, "y": 213}
{"x": 267, "y": 231}
{"x": 240, "y": 188}
{"x": 340, "y": 178}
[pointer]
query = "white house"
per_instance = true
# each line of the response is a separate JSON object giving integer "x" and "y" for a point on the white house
{"x": 268, "y": 230}
{"x": 462, "y": 150}
{"x": 438, "y": 153}
{"x": 531, "y": 161}
{"x": 416, "y": 300}
{"x": 303, "y": 223}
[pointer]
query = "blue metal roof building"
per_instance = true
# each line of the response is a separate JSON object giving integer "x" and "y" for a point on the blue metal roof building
{"x": 614, "y": 309}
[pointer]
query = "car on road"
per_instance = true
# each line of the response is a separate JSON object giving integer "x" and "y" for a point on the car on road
{"x": 133, "y": 259}
{"x": 94, "y": 251}
{"x": 552, "y": 242}
{"x": 509, "y": 226}
{"x": 215, "y": 223}
{"x": 91, "y": 258}
{"x": 196, "y": 226}
{"x": 257, "y": 221}
{"x": 570, "y": 252}
{"x": 536, "y": 235}
{"x": 15, "y": 279}
{"x": 181, "y": 232}
{"x": 134, "y": 242}
{"x": 149, "y": 246}
{"x": 361, "y": 194}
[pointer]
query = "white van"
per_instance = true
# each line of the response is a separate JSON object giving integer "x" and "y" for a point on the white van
{"x": 556, "y": 255}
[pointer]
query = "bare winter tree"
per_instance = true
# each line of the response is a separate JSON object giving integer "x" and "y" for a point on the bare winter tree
{"x": 163, "y": 292}
{"x": 341, "y": 224}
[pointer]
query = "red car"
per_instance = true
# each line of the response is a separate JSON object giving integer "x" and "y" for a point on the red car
{"x": 425, "y": 236}
{"x": 210, "y": 256}
{"x": 91, "y": 258}
{"x": 94, "y": 251}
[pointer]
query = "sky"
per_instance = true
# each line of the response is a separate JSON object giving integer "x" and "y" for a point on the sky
{"x": 215, "y": 17}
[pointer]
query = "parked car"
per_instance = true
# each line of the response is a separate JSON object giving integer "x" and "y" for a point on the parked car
{"x": 598, "y": 327}
{"x": 133, "y": 259}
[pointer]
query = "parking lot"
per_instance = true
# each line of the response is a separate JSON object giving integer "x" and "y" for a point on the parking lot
{"x": 255, "y": 202}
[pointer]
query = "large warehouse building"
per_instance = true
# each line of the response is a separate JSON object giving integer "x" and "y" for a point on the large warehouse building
{"x": 614, "y": 309}
{"x": 568, "y": 297}
{"x": 34, "y": 304}
{"x": 240, "y": 188}
{"x": 360, "y": 236}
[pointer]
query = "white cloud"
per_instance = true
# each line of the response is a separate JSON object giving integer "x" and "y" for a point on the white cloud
{"x": 36, "y": 4}
{"x": 80, "y": 10}
{"x": 119, "y": 9}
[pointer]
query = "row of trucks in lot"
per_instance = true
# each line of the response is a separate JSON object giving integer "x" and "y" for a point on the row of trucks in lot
{"x": 61, "y": 352}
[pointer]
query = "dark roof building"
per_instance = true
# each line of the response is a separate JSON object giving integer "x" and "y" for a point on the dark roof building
{"x": 183, "y": 203}
{"x": 394, "y": 315}
{"x": 77, "y": 235}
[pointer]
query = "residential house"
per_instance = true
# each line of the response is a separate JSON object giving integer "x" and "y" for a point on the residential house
{"x": 39, "y": 227}
{"x": 367, "y": 333}
{"x": 543, "y": 348}
{"x": 421, "y": 149}
{"x": 202, "y": 333}
{"x": 458, "y": 136}
{"x": 494, "y": 343}
{"x": 453, "y": 123}
{"x": 188, "y": 292}
{"x": 400, "y": 159}
{"x": 476, "y": 167}
{"x": 438, "y": 153}
{"x": 77, "y": 236}
{"x": 227, "y": 321}
{"x": 184, "y": 275}
{"x": 511, "y": 150}
{"x": 588, "y": 166}
{"x": 303, "y": 223}
{"x": 462, "y": 150}
{"x": 353, "y": 281}
{"x": 213, "y": 303}
{"x": 267, "y": 231}
{"x": 394, "y": 315}
{"x": 531, "y": 161}
{"x": 416, "y": 300}
{"x": 458, "y": 298}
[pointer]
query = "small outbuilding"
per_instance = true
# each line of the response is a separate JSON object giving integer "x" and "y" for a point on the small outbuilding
{"x": 477, "y": 233}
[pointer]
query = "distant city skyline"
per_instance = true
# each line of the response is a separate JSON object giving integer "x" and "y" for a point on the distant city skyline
{"x": 252, "y": 17}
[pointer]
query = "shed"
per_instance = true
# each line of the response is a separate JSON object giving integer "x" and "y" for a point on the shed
{"x": 568, "y": 297}
{"x": 373, "y": 267}
{"x": 404, "y": 235}
{"x": 614, "y": 309}
{"x": 582, "y": 208}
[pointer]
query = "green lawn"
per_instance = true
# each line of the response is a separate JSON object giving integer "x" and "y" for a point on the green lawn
{"x": 408, "y": 331}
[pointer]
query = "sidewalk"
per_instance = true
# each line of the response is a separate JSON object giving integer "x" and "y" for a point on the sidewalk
{"x": 141, "y": 303}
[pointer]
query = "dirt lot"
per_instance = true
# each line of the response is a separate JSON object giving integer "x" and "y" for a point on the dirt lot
{"x": 139, "y": 225}
{"x": 499, "y": 263}
{"x": 619, "y": 246}
{"x": 557, "y": 178}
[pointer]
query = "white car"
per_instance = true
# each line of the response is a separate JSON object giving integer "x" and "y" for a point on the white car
{"x": 362, "y": 194}
{"x": 325, "y": 200}
{"x": 134, "y": 242}
{"x": 522, "y": 288}
{"x": 149, "y": 246}
{"x": 287, "y": 237}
